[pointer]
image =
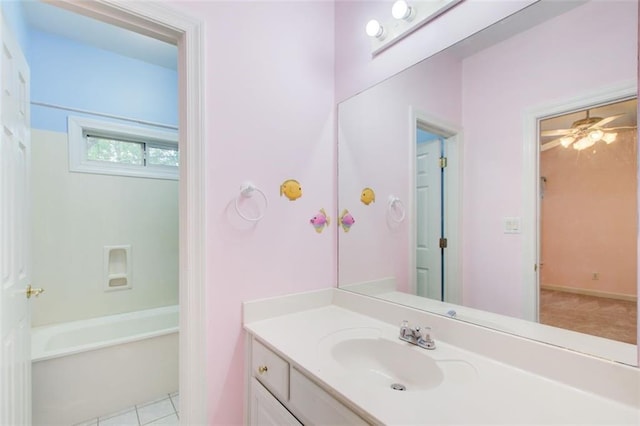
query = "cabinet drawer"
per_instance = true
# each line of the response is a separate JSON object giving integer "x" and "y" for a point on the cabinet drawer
{"x": 314, "y": 406}
{"x": 271, "y": 370}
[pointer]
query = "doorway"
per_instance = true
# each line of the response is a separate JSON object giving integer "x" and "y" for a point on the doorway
{"x": 169, "y": 25}
{"x": 435, "y": 205}
{"x": 588, "y": 220}
{"x": 430, "y": 215}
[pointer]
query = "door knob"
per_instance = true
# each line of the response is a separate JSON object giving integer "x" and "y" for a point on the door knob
{"x": 33, "y": 291}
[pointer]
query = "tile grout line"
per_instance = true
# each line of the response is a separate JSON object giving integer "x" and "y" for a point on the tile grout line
{"x": 173, "y": 405}
{"x": 137, "y": 414}
{"x": 135, "y": 408}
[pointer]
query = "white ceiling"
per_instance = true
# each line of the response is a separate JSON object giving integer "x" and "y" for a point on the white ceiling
{"x": 54, "y": 20}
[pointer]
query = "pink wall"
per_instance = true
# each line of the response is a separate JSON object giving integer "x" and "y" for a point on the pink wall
{"x": 271, "y": 93}
{"x": 270, "y": 107}
{"x": 500, "y": 84}
{"x": 589, "y": 216}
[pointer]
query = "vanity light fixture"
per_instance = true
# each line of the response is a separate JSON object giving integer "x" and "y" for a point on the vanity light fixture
{"x": 405, "y": 20}
{"x": 375, "y": 29}
{"x": 402, "y": 10}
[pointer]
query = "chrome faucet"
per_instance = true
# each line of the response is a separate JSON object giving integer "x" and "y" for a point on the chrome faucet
{"x": 417, "y": 335}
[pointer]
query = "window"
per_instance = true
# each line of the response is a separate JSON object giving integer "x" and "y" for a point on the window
{"x": 116, "y": 149}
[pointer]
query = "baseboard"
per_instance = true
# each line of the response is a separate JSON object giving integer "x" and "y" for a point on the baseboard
{"x": 589, "y": 292}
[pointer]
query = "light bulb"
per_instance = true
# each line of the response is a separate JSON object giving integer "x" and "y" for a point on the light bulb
{"x": 374, "y": 29}
{"x": 583, "y": 143}
{"x": 566, "y": 141}
{"x": 596, "y": 135}
{"x": 401, "y": 10}
{"x": 609, "y": 137}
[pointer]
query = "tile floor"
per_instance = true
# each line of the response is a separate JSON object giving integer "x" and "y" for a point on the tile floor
{"x": 163, "y": 411}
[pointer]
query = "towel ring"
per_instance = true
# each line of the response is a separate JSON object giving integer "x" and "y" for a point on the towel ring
{"x": 247, "y": 190}
{"x": 395, "y": 204}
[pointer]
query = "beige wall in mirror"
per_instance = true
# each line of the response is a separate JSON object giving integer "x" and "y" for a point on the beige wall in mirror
{"x": 481, "y": 104}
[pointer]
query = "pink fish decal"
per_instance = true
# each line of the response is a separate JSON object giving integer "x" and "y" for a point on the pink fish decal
{"x": 346, "y": 220}
{"x": 320, "y": 221}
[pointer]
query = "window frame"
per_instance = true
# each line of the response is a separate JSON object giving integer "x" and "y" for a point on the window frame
{"x": 79, "y": 127}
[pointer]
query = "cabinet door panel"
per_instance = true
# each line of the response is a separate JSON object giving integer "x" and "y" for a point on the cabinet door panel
{"x": 266, "y": 410}
{"x": 314, "y": 406}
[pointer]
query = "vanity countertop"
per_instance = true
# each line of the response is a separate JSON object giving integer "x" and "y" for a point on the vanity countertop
{"x": 487, "y": 391}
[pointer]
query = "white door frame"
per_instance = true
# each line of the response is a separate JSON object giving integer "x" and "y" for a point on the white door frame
{"x": 531, "y": 181}
{"x": 167, "y": 24}
{"x": 451, "y": 200}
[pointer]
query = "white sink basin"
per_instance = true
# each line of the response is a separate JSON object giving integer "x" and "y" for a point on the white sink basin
{"x": 363, "y": 355}
{"x": 383, "y": 362}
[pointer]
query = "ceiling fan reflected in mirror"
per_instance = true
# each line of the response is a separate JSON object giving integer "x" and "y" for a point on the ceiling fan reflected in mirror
{"x": 584, "y": 133}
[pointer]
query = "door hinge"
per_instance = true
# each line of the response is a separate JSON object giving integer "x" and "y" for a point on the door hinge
{"x": 443, "y": 243}
{"x": 443, "y": 162}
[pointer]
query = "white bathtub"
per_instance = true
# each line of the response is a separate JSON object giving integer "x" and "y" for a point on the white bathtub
{"x": 85, "y": 369}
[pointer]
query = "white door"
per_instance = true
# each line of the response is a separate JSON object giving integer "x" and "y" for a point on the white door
{"x": 428, "y": 219}
{"x": 15, "y": 324}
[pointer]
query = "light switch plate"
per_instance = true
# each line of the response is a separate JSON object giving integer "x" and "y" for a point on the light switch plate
{"x": 511, "y": 225}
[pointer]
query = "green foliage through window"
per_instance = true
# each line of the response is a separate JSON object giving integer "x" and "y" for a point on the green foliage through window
{"x": 114, "y": 151}
{"x": 118, "y": 149}
{"x": 162, "y": 156}
{"x": 130, "y": 152}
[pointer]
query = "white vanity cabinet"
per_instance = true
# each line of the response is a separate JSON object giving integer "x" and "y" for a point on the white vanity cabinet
{"x": 280, "y": 394}
{"x": 322, "y": 362}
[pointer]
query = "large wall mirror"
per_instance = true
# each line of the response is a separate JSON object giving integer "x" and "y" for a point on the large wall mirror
{"x": 496, "y": 182}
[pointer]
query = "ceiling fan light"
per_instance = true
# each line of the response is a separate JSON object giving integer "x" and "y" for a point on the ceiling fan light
{"x": 583, "y": 143}
{"x": 596, "y": 134}
{"x": 609, "y": 137}
{"x": 566, "y": 141}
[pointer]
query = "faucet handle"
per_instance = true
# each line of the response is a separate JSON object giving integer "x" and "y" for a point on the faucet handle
{"x": 426, "y": 333}
{"x": 405, "y": 329}
{"x": 426, "y": 338}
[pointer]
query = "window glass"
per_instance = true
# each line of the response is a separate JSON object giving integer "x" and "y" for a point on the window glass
{"x": 160, "y": 156}
{"x": 115, "y": 151}
{"x": 111, "y": 148}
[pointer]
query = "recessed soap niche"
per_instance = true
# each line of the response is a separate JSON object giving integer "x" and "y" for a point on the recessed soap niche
{"x": 117, "y": 268}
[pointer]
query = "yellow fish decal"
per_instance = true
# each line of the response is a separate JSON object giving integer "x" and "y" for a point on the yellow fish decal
{"x": 291, "y": 189}
{"x": 368, "y": 196}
